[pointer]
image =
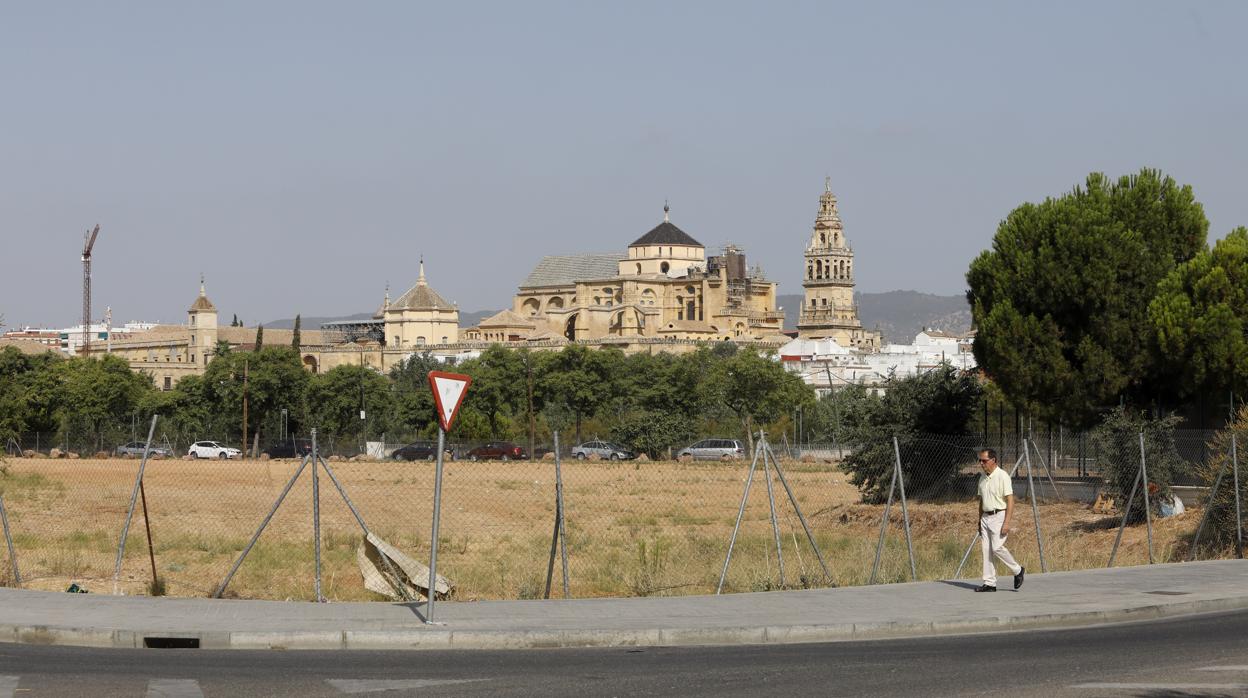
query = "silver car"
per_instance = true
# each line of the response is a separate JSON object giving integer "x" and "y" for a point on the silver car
{"x": 603, "y": 449}
{"x": 136, "y": 448}
{"x": 714, "y": 449}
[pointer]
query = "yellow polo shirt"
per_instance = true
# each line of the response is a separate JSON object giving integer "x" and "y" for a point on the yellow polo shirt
{"x": 993, "y": 489}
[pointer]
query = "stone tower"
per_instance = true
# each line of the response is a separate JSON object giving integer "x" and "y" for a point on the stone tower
{"x": 202, "y": 320}
{"x": 828, "y": 309}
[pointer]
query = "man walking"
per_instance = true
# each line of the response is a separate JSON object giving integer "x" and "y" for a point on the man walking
{"x": 994, "y": 506}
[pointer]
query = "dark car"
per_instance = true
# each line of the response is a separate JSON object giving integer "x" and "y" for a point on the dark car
{"x": 294, "y": 448}
{"x": 499, "y": 450}
{"x": 418, "y": 450}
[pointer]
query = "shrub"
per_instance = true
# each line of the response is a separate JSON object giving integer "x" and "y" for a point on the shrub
{"x": 1117, "y": 443}
{"x": 942, "y": 402}
{"x": 1221, "y": 527}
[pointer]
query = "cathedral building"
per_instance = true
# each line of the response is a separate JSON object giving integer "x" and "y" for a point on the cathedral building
{"x": 664, "y": 287}
{"x": 828, "y": 309}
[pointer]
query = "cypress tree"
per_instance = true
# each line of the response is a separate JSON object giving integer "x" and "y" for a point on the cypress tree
{"x": 294, "y": 337}
{"x": 259, "y": 337}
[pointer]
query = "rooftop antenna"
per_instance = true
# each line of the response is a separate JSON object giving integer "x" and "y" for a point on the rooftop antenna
{"x": 88, "y": 242}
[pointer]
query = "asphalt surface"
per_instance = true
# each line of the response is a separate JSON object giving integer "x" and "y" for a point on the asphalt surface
{"x": 1204, "y": 655}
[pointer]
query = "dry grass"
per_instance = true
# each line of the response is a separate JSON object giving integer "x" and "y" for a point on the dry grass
{"x": 633, "y": 529}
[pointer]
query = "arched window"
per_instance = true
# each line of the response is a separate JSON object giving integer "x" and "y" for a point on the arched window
{"x": 819, "y": 268}
{"x": 664, "y": 267}
{"x": 639, "y": 269}
{"x": 823, "y": 238}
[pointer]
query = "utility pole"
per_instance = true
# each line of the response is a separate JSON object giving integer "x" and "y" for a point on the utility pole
{"x": 88, "y": 242}
{"x": 244, "y": 448}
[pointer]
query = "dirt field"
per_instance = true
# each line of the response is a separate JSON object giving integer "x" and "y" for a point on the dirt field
{"x": 633, "y": 528}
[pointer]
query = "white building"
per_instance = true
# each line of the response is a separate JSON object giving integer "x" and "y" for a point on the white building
{"x": 826, "y": 365}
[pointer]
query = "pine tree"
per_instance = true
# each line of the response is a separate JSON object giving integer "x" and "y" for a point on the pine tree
{"x": 234, "y": 323}
{"x": 259, "y": 337}
{"x": 294, "y": 337}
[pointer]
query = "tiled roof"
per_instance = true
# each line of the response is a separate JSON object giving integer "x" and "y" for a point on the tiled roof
{"x": 202, "y": 304}
{"x": 666, "y": 234}
{"x": 564, "y": 270}
{"x": 506, "y": 318}
{"x": 29, "y": 347}
{"x": 421, "y": 297}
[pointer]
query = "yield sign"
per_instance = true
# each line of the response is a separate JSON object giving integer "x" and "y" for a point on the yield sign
{"x": 449, "y": 390}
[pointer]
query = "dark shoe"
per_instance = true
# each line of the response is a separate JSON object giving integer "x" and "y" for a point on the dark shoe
{"x": 986, "y": 588}
{"x": 1018, "y": 578}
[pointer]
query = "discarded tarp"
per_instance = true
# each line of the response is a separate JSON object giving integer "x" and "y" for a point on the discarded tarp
{"x": 404, "y": 578}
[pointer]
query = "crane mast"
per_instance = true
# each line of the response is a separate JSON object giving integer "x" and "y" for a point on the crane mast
{"x": 88, "y": 241}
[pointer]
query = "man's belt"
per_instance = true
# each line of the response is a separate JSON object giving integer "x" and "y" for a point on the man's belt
{"x": 989, "y": 512}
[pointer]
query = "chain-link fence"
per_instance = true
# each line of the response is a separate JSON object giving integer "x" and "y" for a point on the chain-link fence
{"x": 633, "y": 527}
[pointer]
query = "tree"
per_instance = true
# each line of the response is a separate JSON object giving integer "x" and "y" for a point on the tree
{"x": 578, "y": 378}
{"x": 1200, "y": 315}
{"x": 294, "y": 336}
{"x": 259, "y": 338}
{"x": 1060, "y": 302}
{"x": 234, "y": 322}
{"x": 96, "y": 396}
{"x": 940, "y": 402}
{"x": 756, "y": 389}
{"x": 275, "y": 380}
{"x": 413, "y": 398}
{"x": 653, "y": 433}
{"x": 336, "y": 397}
{"x": 498, "y": 385}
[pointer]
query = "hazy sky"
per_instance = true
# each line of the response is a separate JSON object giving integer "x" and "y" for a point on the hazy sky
{"x": 303, "y": 154}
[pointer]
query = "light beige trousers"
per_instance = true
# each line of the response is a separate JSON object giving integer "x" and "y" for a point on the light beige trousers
{"x": 991, "y": 542}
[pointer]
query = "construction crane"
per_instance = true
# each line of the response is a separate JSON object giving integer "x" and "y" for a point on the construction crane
{"x": 88, "y": 241}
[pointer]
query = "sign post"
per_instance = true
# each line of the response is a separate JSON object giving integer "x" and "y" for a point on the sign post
{"x": 449, "y": 390}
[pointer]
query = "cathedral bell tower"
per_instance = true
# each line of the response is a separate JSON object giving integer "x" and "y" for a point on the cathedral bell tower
{"x": 828, "y": 308}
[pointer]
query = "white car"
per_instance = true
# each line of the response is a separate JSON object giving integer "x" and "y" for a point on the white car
{"x": 212, "y": 449}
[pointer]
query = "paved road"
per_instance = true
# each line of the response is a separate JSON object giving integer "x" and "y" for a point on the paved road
{"x": 1196, "y": 655}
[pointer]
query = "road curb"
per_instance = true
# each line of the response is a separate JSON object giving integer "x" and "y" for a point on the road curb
{"x": 448, "y": 638}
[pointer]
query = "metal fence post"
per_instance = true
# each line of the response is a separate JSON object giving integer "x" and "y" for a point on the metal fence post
{"x": 316, "y": 517}
{"x": 433, "y": 541}
{"x": 745, "y": 496}
{"x": 1035, "y": 509}
{"x": 827, "y": 575}
{"x": 134, "y": 495}
{"x": 558, "y": 540}
{"x": 8, "y": 539}
{"x": 879, "y": 547}
{"x": 1126, "y": 512}
{"x": 1239, "y": 521}
{"x": 1148, "y": 516}
{"x": 269, "y": 517}
{"x": 771, "y": 501}
{"x": 1204, "y": 517}
{"x": 905, "y": 515}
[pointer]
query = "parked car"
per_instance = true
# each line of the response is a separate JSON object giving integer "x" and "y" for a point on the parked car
{"x": 135, "y": 448}
{"x": 294, "y": 448}
{"x": 419, "y": 450}
{"x": 602, "y": 449}
{"x": 714, "y": 449}
{"x": 501, "y": 450}
{"x": 212, "y": 449}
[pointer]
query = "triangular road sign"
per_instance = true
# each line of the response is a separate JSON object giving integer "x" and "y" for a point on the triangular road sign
{"x": 449, "y": 390}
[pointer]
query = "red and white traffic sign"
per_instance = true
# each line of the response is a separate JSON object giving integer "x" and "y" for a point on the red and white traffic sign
{"x": 449, "y": 390}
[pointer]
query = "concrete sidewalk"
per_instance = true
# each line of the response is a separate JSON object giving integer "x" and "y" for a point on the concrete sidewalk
{"x": 894, "y": 610}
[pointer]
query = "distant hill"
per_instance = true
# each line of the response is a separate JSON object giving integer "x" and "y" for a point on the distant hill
{"x": 900, "y": 315}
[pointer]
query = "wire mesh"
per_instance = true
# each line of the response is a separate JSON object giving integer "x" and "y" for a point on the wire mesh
{"x": 633, "y": 527}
